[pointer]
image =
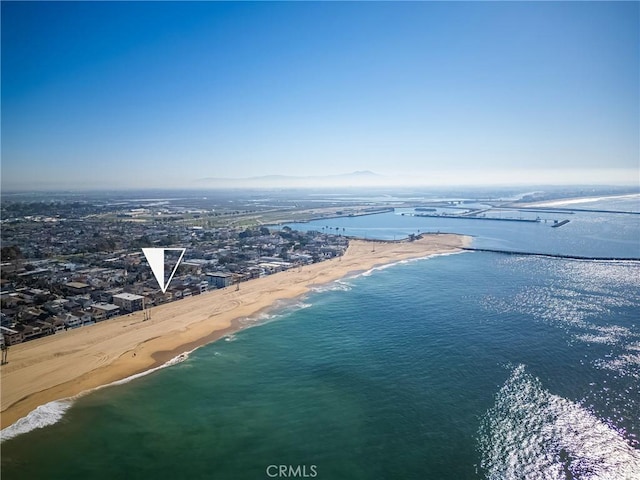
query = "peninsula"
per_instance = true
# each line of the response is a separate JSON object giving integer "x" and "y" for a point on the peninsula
{"x": 69, "y": 363}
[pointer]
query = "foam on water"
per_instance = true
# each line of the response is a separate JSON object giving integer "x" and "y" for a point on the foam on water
{"x": 52, "y": 412}
{"x": 302, "y": 305}
{"x": 369, "y": 272}
{"x": 257, "y": 319}
{"x": 337, "y": 286}
{"x": 278, "y": 310}
{"x": 532, "y": 434}
{"x": 174, "y": 361}
{"x": 43, "y": 416}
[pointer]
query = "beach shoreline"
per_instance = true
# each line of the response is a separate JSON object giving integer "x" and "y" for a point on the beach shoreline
{"x": 570, "y": 201}
{"x": 68, "y": 364}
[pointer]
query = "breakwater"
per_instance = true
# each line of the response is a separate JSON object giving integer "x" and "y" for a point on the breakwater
{"x": 471, "y": 217}
{"x": 559, "y": 224}
{"x": 552, "y": 255}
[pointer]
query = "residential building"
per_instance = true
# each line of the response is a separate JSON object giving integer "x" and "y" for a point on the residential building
{"x": 219, "y": 279}
{"x": 102, "y": 311}
{"x": 11, "y": 337}
{"x": 129, "y": 302}
{"x": 77, "y": 287}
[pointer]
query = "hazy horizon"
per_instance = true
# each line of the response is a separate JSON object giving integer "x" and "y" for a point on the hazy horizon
{"x": 280, "y": 182}
{"x": 167, "y": 95}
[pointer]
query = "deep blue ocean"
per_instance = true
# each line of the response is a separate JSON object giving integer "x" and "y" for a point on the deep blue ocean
{"x": 466, "y": 366}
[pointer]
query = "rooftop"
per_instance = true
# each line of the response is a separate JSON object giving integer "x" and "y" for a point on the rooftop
{"x": 128, "y": 296}
{"x": 105, "y": 306}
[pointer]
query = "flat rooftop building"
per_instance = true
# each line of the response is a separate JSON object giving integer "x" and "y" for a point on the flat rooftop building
{"x": 129, "y": 302}
{"x": 219, "y": 279}
{"x": 104, "y": 310}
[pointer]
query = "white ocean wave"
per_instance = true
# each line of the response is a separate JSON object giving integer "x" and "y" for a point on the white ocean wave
{"x": 279, "y": 310}
{"x": 337, "y": 286}
{"x": 41, "y": 417}
{"x": 52, "y": 412}
{"x": 174, "y": 361}
{"x": 283, "y": 308}
{"x": 532, "y": 434}
{"x": 369, "y": 272}
{"x": 259, "y": 318}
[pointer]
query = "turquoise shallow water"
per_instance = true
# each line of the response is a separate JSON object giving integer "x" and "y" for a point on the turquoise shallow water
{"x": 466, "y": 366}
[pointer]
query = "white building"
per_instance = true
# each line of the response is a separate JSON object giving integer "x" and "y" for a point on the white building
{"x": 129, "y": 302}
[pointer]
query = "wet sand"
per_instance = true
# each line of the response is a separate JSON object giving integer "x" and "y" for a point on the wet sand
{"x": 69, "y": 363}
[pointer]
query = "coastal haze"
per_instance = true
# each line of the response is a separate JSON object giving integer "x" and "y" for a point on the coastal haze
{"x": 320, "y": 240}
{"x": 165, "y": 95}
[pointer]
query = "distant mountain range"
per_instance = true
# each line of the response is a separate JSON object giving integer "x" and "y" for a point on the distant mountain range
{"x": 355, "y": 179}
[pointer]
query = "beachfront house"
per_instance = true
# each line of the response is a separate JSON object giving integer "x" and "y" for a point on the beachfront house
{"x": 32, "y": 331}
{"x": 71, "y": 321}
{"x": 203, "y": 287}
{"x": 11, "y": 336}
{"x": 58, "y": 324}
{"x": 102, "y": 311}
{"x": 129, "y": 302}
{"x": 219, "y": 279}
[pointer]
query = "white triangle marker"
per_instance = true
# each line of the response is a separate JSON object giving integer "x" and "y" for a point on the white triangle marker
{"x": 155, "y": 258}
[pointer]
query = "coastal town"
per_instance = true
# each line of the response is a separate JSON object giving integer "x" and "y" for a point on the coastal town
{"x": 64, "y": 272}
{"x": 70, "y": 260}
{"x": 83, "y": 305}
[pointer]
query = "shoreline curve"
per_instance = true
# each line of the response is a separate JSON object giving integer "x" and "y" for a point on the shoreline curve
{"x": 73, "y": 363}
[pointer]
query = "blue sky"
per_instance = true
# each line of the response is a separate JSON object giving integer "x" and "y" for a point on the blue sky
{"x": 125, "y": 94}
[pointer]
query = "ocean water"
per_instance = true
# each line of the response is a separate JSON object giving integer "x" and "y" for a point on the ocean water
{"x": 587, "y": 233}
{"x": 465, "y": 366}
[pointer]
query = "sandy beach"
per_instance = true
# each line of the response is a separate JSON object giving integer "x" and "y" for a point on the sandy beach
{"x": 69, "y": 363}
